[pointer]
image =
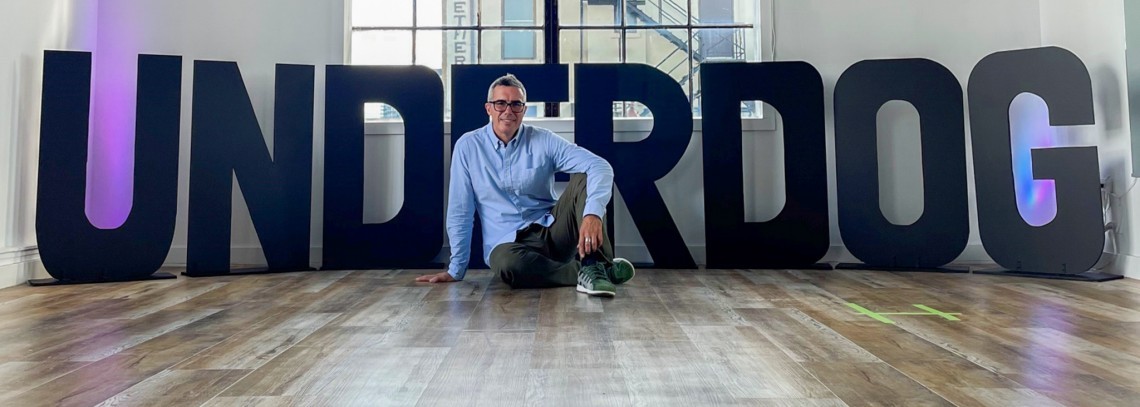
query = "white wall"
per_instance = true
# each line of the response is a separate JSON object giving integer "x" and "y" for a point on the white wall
{"x": 28, "y": 27}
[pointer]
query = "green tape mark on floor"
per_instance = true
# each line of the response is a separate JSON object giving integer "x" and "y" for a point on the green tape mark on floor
{"x": 946, "y": 315}
{"x": 880, "y": 316}
{"x": 870, "y": 313}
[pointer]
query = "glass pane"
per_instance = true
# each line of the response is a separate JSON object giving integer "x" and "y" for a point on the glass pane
{"x": 381, "y": 47}
{"x": 657, "y": 12}
{"x": 512, "y": 47}
{"x": 381, "y": 13}
{"x": 429, "y": 13}
{"x": 519, "y": 45}
{"x": 725, "y": 11}
{"x": 430, "y": 48}
{"x": 590, "y": 12}
{"x": 667, "y": 50}
{"x": 381, "y": 112}
{"x": 518, "y": 12}
{"x": 584, "y": 46}
{"x": 578, "y": 46}
{"x": 728, "y": 44}
{"x": 526, "y": 13}
{"x": 724, "y": 44}
{"x": 458, "y": 12}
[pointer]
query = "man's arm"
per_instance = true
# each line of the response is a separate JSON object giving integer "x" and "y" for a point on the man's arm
{"x": 460, "y": 220}
{"x": 571, "y": 158}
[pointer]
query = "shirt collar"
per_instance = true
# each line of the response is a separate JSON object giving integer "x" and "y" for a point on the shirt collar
{"x": 489, "y": 135}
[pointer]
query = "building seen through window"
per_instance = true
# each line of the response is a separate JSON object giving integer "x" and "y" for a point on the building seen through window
{"x": 674, "y": 36}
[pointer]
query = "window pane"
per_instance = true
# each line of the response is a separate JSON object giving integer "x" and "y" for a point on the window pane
{"x": 429, "y": 13}
{"x": 657, "y": 12}
{"x": 588, "y": 46}
{"x": 381, "y": 112}
{"x": 511, "y": 12}
{"x": 667, "y": 50}
{"x": 726, "y": 11}
{"x": 721, "y": 44}
{"x": 745, "y": 44}
{"x": 519, "y": 45}
{"x": 381, "y": 47}
{"x": 458, "y": 12}
{"x": 518, "y": 12}
{"x": 511, "y": 47}
{"x": 590, "y": 12}
{"x": 430, "y": 48}
{"x": 381, "y": 13}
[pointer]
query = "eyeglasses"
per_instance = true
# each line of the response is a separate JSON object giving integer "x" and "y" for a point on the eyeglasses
{"x": 501, "y": 105}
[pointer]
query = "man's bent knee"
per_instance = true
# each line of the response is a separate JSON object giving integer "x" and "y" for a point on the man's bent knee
{"x": 507, "y": 263}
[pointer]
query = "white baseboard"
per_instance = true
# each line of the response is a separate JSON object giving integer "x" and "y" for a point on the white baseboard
{"x": 20, "y": 264}
{"x": 1123, "y": 264}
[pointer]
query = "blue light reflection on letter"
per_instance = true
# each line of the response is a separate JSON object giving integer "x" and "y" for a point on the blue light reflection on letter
{"x": 1029, "y": 125}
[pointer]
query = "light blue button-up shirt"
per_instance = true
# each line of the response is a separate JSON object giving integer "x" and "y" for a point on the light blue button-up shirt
{"x": 512, "y": 186}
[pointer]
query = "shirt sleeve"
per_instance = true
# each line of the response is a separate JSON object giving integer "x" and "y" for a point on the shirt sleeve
{"x": 572, "y": 158}
{"x": 460, "y": 213}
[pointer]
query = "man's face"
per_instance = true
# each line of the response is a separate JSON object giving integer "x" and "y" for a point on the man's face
{"x": 506, "y": 122}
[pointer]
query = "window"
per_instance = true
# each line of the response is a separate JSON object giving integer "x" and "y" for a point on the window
{"x": 518, "y": 44}
{"x": 675, "y": 36}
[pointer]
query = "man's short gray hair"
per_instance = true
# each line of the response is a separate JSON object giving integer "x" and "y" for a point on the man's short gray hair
{"x": 506, "y": 80}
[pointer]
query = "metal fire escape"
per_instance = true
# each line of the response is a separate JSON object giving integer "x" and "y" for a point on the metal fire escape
{"x": 661, "y": 16}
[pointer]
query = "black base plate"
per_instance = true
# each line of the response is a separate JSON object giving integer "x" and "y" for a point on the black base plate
{"x": 943, "y": 269}
{"x": 41, "y": 282}
{"x": 246, "y": 271}
{"x": 1091, "y": 276}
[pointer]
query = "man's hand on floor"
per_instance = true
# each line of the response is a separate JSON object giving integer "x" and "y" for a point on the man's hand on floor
{"x": 441, "y": 277}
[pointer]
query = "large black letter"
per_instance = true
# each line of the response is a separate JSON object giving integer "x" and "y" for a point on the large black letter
{"x": 1072, "y": 242}
{"x": 414, "y": 237}
{"x": 469, "y": 83}
{"x": 638, "y": 165}
{"x": 798, "y": 236}
{"x": 226, "y": 140}
{"x": 71, "y": 248}
{"x": 940, "y": 234}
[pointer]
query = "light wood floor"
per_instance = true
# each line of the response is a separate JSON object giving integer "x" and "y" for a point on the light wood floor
{"x": 671, "y": 337}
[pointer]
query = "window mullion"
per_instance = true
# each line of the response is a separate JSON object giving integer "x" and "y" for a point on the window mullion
{"x": 551, "y": 48}
{"x": 415, "y": 16}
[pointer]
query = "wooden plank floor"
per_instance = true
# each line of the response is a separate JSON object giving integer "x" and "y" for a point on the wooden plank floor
{"x": 671, "y": 337}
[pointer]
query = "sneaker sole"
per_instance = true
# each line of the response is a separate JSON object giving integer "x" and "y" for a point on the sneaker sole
{"x": 633, "y": 270}
{"x": 596, "y": 293}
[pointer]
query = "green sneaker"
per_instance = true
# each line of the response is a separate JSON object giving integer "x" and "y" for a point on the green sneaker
{"x": 621, "y": 271}
{"x": 592, "y": 280}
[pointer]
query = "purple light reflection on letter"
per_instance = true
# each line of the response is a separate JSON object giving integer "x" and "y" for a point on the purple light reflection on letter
{"x": 110, "y": 158}
{"x": 1029, "y": 128}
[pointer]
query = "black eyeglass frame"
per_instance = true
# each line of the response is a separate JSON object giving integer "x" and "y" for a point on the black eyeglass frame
{"x": 517, "y": 106}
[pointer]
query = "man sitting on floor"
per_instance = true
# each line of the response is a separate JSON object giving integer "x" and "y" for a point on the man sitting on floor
{"x": 505, "y": 172}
